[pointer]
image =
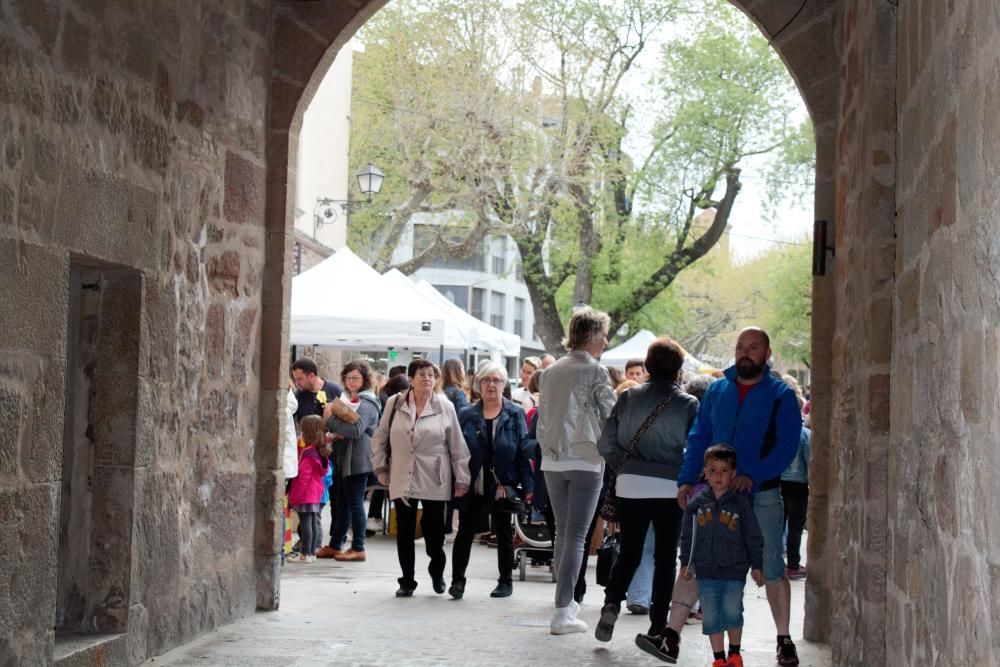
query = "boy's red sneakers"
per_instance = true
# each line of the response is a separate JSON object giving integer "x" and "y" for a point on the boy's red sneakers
{"x": 735, "y": 661}
{"x": 719, "y": 662}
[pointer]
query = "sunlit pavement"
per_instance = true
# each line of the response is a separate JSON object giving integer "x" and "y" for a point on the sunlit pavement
{"x": 346, "y": 614}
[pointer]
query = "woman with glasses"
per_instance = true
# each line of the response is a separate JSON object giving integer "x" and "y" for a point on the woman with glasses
{"x": 417, "y": 451}
{"x": 495, "y": 431}
{"x": 352, "y": 451}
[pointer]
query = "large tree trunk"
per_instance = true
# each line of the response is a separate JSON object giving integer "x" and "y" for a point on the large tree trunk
{"x": 583, "y": 287}
{"x": 542, "y": 288}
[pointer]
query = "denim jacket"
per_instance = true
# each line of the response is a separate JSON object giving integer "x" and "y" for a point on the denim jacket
{"x": 511, "y": 455}
{"x": 575, "y": 399}
{"x": 798, "y": 469}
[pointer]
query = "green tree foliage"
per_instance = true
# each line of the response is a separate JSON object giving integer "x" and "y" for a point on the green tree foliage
{"x": 514, "y": 117}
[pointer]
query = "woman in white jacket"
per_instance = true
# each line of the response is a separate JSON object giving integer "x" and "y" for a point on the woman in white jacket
{"x": 417, "y": 451}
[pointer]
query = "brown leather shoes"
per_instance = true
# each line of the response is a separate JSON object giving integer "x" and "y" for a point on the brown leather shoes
{"x": 329, "y": 552}
{"x": 350, "y": 555}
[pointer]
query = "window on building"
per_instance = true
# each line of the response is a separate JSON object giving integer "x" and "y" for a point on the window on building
{"x": 498, "y": 264}
{"x": 457, "y": 294}
{"x": 519, "y": 316}
{"x": 497, "y": 306}
{"x": 478, "y": 303}
{"x": 423, "y": 237}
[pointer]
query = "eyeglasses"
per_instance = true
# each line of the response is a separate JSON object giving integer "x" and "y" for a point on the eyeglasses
{"x": 353, "y": 377}
{"x": 492, "y": 381}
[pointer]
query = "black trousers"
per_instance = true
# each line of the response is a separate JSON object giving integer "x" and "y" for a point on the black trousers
{"x": 432, "y": 524}
{"x": 468, "y": 520}
{"x": 635, "y": 516}
{"x": 796, "y": 498}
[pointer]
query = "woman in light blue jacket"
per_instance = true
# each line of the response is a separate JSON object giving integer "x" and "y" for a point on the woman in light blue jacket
{"x": 575, "y": 399}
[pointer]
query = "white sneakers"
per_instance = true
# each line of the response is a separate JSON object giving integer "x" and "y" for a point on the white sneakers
{"x": 564, "y": 621}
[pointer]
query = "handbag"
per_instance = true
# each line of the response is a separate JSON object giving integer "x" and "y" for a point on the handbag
{"x": 609, "y": 510}
{"x": 342, "y": 411}
{"x": 607, "y": 554}
{"x": 388, "y": 433}
{"x": 506, "y": 499}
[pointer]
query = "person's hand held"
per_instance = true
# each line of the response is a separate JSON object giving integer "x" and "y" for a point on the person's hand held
{"x": 742, "y": 484}
{"x": 461, "y": 490}
{"x": 383, "y": 476}
{"x": 684, "y": 492}
{"x": 686, "y": 573}
{"x": 758, "y": 576}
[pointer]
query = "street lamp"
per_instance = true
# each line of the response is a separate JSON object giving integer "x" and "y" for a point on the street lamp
{"x": 369, "y": 182}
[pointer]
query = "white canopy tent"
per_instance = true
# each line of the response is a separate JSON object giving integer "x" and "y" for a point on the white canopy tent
{"x": 483, "y": 336}
{"x": 634, "y": 348}
{"x": 456, "y": 333}
{"x": 343, "y": 302}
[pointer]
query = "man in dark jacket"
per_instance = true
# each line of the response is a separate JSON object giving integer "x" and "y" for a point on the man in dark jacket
{"x": 759, "y": 417}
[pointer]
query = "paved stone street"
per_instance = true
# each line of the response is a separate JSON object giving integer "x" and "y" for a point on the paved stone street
{"x": 346, "y": 614}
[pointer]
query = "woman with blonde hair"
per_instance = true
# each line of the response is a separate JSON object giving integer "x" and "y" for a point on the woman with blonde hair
{"x": 575, "y": 399}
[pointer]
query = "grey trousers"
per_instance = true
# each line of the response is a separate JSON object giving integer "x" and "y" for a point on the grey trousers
{"x": 573, "y": 495}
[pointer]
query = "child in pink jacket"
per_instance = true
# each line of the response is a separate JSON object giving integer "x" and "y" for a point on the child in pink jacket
{"x": 307, "y": 488}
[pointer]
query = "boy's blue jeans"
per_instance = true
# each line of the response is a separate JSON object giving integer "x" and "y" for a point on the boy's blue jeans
{"x": 721, "y": 604}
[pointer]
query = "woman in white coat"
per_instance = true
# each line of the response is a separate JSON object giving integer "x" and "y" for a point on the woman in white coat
{"x": 418, "y": 451}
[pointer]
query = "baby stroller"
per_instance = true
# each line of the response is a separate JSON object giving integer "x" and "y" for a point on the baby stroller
{"x": 534, "y": 542}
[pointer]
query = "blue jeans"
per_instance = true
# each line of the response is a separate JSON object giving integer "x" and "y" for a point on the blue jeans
{"x": 642, "y": 581}
{"x": 351, "y": 512}
{"x": 770, "y": 512}
{"x": 721, "y": 604}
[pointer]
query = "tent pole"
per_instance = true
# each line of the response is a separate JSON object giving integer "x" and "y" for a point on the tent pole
{"x": 442, "y": 355}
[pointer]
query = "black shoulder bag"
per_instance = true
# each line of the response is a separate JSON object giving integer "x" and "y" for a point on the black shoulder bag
{"x": 609, "y": 510}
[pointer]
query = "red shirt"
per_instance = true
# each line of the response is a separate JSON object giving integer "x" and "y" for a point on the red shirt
{"x": 744, "y": 390}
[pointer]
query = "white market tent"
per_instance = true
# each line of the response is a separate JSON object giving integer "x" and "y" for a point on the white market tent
{"x": 483, "y": 336}
{"x": 456, "y": 334}
{"x": 634, "y": 348}
{"x": 343, "y": 302}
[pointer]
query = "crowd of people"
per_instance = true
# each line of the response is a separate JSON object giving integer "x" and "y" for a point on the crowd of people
{"x": 714, "y": 467}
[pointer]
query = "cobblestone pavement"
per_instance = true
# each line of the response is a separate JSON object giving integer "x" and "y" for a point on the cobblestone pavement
{"x": 346, "y": 614}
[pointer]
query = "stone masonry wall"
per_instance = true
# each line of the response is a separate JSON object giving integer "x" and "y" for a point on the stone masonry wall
{"x": 132, "y": 134}
{"x": 942, "y": 605}
{"x": 865, "y": 246}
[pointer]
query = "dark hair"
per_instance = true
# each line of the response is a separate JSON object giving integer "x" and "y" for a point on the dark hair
{"x": 397, "y": 370}
{"x": 617, "y": 377}
{"x": 395, "y": 384}
{"x": 454, "y": 374}
{"x": 533, "y": 381}
{"x": 698, "y": 385}
{"x": 306, "y": 365}
{"x": 664, "y": 359}
{"x": 634, "y": 362}
{"x": 721, "y": 453}
{"x": 362, "y": 367}
{"x": 417, "y": 364}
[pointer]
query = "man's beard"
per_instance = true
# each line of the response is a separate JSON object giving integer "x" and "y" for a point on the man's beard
{"x": 748, "y": 370}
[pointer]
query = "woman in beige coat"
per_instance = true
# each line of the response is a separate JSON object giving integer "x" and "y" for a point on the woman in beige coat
{"x": 416, "y": 450}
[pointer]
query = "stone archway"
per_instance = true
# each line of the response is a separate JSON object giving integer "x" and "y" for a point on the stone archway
{"x": 821, "y": 48}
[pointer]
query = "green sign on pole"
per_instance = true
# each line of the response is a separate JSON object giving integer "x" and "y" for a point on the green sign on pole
{"x": 393, "y": 354}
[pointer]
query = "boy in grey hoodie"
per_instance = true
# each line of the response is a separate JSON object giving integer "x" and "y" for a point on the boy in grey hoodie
{"x": 720, "y": 541}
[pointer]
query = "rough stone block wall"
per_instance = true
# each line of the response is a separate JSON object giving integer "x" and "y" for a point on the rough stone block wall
{"x": 865, "y": 252}
{"x": 942, "y": 606}
{"x": 132, "y": 133}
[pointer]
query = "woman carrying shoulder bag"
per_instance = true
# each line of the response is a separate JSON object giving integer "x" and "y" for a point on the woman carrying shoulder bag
{"x": 417, "y": 457}
{"x": 495, "y": 431}
{"x": 643, "y": 441}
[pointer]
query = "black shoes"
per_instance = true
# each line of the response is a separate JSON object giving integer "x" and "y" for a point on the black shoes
{"x": 504, "y": 589}
{"x": 457, "y": 589}
{"x": 439, "y": 585}
{"x": 637, "y": 609}
{"x": 406, "y": 588}
{"x": 606, "y": 625}
{"x": 786, "y": 654}
{"x": 665, "y": 647}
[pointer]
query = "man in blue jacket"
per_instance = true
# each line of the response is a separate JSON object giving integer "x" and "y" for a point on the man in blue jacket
{"x": 758, "y": 415}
